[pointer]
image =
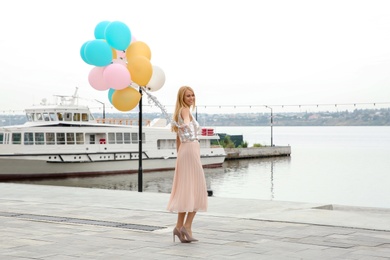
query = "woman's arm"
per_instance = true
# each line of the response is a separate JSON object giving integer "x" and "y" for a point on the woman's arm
{"x": 177, "y": 143}
{"x": 185, "y": 114}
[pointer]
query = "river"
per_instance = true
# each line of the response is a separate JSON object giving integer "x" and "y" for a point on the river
{"x": 331, "y": 165}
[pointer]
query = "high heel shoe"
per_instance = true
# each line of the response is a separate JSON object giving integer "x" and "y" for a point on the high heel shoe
{"x": 181, "y": 237}
{"x": 186, "y": 235}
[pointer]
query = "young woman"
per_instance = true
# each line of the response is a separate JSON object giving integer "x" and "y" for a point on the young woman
{"x": 189, "y": 190}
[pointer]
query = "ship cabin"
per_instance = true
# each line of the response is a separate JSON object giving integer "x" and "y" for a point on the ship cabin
{"x": 58, "y": 114}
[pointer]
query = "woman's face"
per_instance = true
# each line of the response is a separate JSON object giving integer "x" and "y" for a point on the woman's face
{"x": 189, "y": 97}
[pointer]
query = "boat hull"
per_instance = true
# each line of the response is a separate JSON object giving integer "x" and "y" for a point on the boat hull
{"x": 25, "y": 168}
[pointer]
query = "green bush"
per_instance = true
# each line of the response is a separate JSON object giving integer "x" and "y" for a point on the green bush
{"x": 227, "y": 142}
{"x": 257, "y": 145}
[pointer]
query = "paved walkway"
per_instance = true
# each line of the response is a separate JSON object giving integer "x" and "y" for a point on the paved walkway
{"x": 49, "y": 222}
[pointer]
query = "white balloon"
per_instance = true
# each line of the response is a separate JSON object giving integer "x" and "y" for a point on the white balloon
{"x": 157, "y": 80}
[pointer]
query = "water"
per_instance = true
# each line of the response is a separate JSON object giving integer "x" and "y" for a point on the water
{"x": 330, "y": 165}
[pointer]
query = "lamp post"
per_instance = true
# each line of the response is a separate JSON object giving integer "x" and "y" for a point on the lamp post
{"x": 271, "y": 122}
{"x": 104, "y": 108}
{"x": 140, "y": 180}
{"x": 272, "y": 180}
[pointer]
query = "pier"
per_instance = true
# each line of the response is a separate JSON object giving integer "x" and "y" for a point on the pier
{"x": 50, "y": 222}
{"x": 257, "y": 152}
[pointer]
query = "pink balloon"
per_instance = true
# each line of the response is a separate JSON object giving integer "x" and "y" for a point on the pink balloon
{"x": 117, "y": 76}
{"x": 96, "y": 80}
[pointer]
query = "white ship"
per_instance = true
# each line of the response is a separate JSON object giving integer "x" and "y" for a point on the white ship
{"x": 65, "y": 140}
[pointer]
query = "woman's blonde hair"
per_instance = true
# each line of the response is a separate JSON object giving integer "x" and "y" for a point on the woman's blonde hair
{"x": 180, "y": 104}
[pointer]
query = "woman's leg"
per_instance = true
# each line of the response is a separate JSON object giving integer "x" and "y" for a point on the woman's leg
{"x": 188, "y": 222}
{"x": 180, "y": 219}
{"x": 179, "y": 225}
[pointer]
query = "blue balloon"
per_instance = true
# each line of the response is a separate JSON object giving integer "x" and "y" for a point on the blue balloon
{"x": 110, "y": 93}
{"x": 99, "y": 29}
{"x": 118, "y": 35}
{"x": 82, "y": 53}
{"x": 98, "y": 53}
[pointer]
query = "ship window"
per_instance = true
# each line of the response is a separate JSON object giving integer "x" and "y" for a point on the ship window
{"x": 52, "y": 117}
{"x": 30, "y": 117}
{"x": 50, "y": 138}
{"x": 60, "y": 116}
{"x": 46, "y": 117}
{"x": 1, "y": 138}
{"x": 39, "y": 116}
{"x": 60, "y": 138}
{"x": 70, "y": 138}
{"x": 126, "y": 138}
{"x": 204, "y": 143}
{"x": 28, "y": 138}
{"x": 166, "y": 144}
{"x": 134, "y": 138}
{"x": 79, "y": 138}
{"x": 119, "y": 138}
{"x": 84, "y": 117}
{"x": 92, "y": 139}
{"x": 111, "y": 138}
{"x": 39, "y": 138}
{"x": 76, "y": 117}
{"x": 16, "y": 138}
{"x": 68, "y": 116}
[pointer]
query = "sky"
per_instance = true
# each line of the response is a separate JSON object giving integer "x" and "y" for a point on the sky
{"x": 231, "y": 52}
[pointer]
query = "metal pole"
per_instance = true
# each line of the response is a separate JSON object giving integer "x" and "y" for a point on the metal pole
{"x": 140, "y": 183}
{"x": 271, "y": 122}
{"x": 272, "y": 180}
{"x": 104, "y": 108}
{"x": 104, "y": 111}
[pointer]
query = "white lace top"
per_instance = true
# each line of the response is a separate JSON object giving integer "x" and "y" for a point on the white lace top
{"x": 188, "y": 132}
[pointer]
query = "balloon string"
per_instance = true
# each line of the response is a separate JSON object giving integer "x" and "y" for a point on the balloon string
{"x": 153, "y": 99}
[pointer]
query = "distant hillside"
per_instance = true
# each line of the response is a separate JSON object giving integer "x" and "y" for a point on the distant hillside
{"x": 358, "y": 117}
{"x": 365, "y": 117}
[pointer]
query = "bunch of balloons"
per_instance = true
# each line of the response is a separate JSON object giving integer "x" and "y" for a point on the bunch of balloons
{"x": 121, "y": 64}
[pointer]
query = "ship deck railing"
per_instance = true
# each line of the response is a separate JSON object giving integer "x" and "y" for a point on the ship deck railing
{"x": 121, "y": 121}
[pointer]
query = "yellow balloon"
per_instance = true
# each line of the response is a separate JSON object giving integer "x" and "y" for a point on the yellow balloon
{"x": 140, "y": 69}
{"x": 126, "y": 99}
{"x": 114, "y": 56}
{"x": 138, "y": 48}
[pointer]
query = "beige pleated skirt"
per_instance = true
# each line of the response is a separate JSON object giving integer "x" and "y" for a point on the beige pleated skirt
{"x": 189, "y": 190}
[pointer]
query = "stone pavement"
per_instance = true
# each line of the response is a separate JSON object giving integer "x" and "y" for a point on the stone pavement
{"x": 51, "y": 222}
